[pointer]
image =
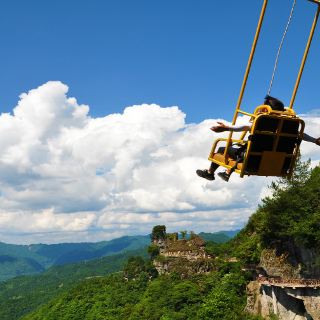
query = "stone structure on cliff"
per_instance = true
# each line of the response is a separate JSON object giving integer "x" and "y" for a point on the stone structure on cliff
{"x": 183, "y": 256}
{"x": 288, "y": 285}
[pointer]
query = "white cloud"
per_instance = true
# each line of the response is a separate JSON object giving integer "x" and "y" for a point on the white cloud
{"x": 45, "y": 221}
{"x": 65, "y": 176}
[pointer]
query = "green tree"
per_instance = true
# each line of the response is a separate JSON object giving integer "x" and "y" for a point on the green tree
{"x": 226, "y": 301}
{"x": 153, "y": 251}
{"x": 183, "y": 233}
{"x": 134, "y": 267}
{"x": 158, "y": 232}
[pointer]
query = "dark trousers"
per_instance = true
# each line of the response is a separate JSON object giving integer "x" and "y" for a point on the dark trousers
{"x": 234, "y": 153}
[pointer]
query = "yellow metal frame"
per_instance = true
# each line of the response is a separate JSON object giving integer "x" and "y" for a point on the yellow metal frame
{"x": 263, "y": 109}
{"x": 282, "y": 117}
{"x": 246, "y": 75}
{"x": 266, "y": 168}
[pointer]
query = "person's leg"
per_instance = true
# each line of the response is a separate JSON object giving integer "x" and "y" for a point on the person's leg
{"x": 206, "y": 174}
{"x": 214, "y": 166}
{"x": 226, "y": 174}
{"x": 238, "y": 154}
{"x": 209, "y": 173}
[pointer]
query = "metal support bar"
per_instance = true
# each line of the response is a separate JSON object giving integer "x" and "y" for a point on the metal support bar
{"x": 246, "y": 113}
{"x": 253, "y": 49}
{"x": 246, "y": 75}
{"x": 305, "y": 55}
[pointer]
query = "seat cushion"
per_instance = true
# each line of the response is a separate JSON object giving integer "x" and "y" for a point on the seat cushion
{"x": 231, "y": 162}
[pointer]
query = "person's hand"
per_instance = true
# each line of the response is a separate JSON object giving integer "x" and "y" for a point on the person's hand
{"x": 221, "y": 127}
{"x": 318, "y": 141}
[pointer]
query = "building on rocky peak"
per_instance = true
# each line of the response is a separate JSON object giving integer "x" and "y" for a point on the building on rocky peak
{"x": 192, "y": 249}
{"x": 184, "y": 256}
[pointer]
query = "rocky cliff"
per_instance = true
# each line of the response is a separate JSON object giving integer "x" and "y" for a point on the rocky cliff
{"x": 182, "y": 256}
{"x": 287, "y": 301}
{"x": 282, "y": 239}
{"x": 291, "y": 261}
{"x": 288, "y": 284}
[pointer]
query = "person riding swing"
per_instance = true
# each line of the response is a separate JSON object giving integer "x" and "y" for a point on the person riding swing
{"x": 238, "y": 153}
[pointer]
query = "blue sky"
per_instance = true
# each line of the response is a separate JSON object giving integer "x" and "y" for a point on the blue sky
{"x": 192, "y": 54}
{"x": 93, "y": 168}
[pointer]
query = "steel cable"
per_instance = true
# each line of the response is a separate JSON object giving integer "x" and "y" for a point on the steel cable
{"x": 280, "y": 46}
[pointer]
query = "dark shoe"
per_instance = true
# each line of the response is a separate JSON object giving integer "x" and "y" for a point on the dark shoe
{"x": 224, "y": 176}
{"x": 205, "y": 174}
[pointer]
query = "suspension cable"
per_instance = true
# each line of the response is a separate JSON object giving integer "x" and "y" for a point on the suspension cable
{"x": 280, "y": 46}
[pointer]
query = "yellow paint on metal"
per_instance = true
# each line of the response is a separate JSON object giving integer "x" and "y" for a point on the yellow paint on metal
{"x": 271, "y": 162}
{"x": 246, "y": 75}
{"x": 268, "y": 162}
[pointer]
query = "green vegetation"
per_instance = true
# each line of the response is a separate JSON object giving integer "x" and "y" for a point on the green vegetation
{"x": 298, "y": 202}
{"x": 136, "y": 266}
{"x": 16, "y": 260}
{"x": 21, "y": 295}
{"x": 288, "y": 218}
{"x": 218, "y": 237}
{"x": 158, "y": 232}
{"x": 153, "y": 251}
{"x": 220, "y": 295}
{"x": 11, "y": 266}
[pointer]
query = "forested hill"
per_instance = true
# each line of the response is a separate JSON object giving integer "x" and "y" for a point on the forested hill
{"x": 23, "y": 294}
{"x": 288, "y": 221}
{"x": 219, "y": 237}
{"x": 18, "y": 260}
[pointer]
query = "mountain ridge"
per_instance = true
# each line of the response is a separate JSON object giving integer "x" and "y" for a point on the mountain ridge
{"x": 17, "y": 260}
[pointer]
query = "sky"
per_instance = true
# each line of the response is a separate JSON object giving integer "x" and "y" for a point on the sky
{"x": 106, "y": 108}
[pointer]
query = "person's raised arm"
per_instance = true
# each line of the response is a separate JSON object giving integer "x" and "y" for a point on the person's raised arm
{"x": 221, "y": 127}
{"x": 308, "y": 138}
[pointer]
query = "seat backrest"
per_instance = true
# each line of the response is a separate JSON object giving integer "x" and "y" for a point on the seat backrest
{"x": 273, "y": 145}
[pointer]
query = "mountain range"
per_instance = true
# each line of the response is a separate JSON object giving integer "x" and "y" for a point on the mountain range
{"x": 17, "y": 260}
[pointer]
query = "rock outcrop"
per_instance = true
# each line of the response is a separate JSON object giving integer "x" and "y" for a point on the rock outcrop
{"x": 285, "y": 302}
{"x": 289, "y": 286}
{"x": 184, "y": 257}
{"x": 291, "y": 261}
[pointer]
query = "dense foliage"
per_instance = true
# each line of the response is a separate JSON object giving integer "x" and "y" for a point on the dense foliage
{"x": 220, "y": 295}
{"x": 158, "y": 232}
{"x": 23, "y": 294}
{"x": 293, "y": 213}
{"x": 289, "y": 217}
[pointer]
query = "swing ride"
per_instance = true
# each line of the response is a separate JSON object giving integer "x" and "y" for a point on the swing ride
{"x": 275, "y": 136}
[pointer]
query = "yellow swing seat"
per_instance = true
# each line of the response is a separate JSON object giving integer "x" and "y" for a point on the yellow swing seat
{"x": 275, "y": 136}
{"x": 272, "y": 146}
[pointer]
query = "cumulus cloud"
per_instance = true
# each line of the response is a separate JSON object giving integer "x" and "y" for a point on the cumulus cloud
{"x": 66, "y": 176}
